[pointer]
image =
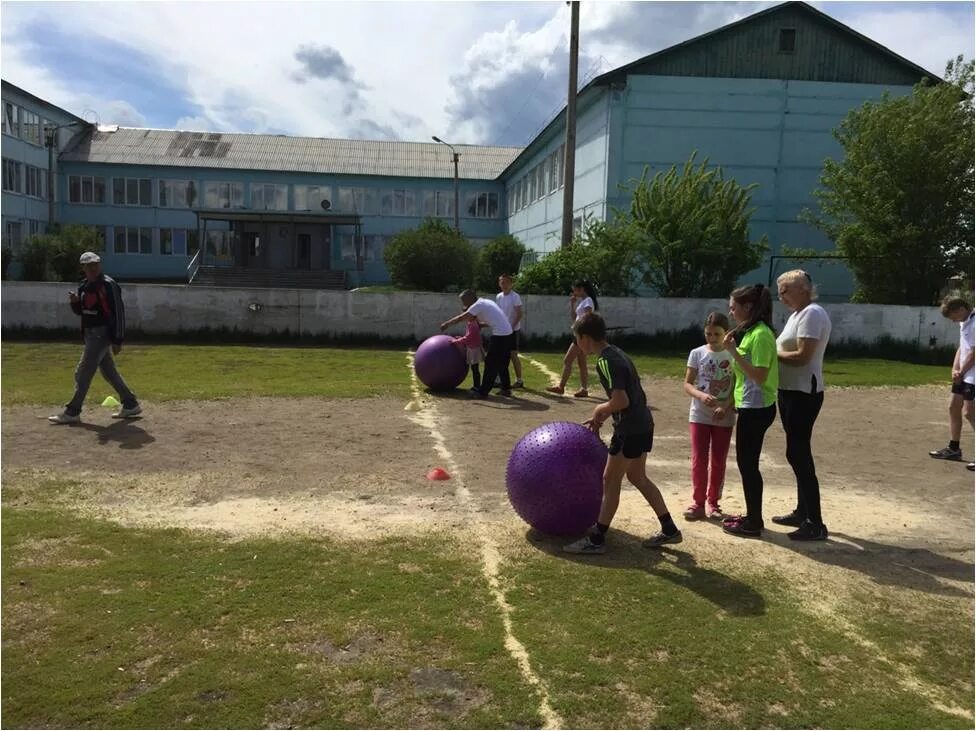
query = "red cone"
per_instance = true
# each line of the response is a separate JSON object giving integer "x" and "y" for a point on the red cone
{"x": 438, "y": 474}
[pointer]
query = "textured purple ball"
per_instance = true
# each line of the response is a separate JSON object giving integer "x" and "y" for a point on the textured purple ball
{"x": 439, "y": 364}
{"x": 555, "y": 478}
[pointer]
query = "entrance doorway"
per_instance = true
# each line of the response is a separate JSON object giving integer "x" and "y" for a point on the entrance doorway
{"x": 303, "y": 251}
{"x": 251, "y": 254}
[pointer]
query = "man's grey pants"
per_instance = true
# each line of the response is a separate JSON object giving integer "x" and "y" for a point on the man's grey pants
{"x": 98, "y": 356}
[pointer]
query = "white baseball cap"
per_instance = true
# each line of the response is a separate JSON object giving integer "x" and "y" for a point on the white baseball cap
{"x": 90, "y": 257}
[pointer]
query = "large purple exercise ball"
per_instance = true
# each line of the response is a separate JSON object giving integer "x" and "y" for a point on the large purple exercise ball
{"x": 555, "y": 478}
{"x": 440, "y": 364}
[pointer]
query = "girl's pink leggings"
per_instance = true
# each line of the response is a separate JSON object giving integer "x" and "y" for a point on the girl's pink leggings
{"x": 709, "y": 449}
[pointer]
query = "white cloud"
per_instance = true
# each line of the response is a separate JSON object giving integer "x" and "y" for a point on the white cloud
{"x": 468, "y": 72}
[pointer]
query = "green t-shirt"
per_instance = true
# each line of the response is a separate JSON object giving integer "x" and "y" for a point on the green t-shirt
{"x": 758, "y": 347}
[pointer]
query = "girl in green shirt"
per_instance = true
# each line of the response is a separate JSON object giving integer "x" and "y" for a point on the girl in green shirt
{"x": 752, "y": 344}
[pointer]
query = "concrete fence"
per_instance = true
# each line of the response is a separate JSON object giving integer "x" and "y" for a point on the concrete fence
{"x": 170, "y": 309}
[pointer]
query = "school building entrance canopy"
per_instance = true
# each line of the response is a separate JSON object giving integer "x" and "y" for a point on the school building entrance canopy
{"x": 273, "y": 240}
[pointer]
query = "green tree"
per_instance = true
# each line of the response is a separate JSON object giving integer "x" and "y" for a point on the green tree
{"x": 900, "y": 202}
{"x": 431, "y": 257}
{"x": 604, "y": 253}
{"x": 501, "y": 254}
{"x": 54, "y": 256}
{"x": 693, "y": 230}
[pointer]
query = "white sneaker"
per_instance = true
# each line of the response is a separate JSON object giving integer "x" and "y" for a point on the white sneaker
{"x": 125, "y": 413}
{"x": 518, "y": 383}
{"x": 65, "y": 418}
{"x": 585, "y": 546}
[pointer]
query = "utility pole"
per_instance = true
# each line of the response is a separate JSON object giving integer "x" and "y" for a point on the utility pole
{"x": 569, "y": 162}
{"x": 457, "y": 184}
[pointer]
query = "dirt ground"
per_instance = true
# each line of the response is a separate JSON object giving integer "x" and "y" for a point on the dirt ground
{"x": 359, "y": 466}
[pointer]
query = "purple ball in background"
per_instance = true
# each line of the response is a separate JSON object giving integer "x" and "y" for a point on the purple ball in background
{"x": 555, "y": 478}
{"x": 439, "y": 364}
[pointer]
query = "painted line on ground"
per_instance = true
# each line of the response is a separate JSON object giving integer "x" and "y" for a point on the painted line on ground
{"x": 424, "y": 414}
{"x": 546, "y": 371}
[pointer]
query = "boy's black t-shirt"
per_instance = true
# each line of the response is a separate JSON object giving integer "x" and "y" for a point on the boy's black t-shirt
{"x": 617, "y": 371}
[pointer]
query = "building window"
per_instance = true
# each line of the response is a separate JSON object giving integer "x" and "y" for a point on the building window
{"x": 132, "y": 191}
{"x": 177, "y": 194}
{"x": 223, "y": 195}
{"x": 269, "y": 197}
{"x": 11, "y": 176}
{"x": 481, "y": 205}
{"x": 13, "y": 234}
{"x": 787, "y": 40}
{"x": 133, "y": 240}
{"x": 347, "y": 247}
{"x": 373, "y": 247}
{"x": 445, "y": 203}
{"x": 11, "y": 119}
{"x": 310, "y": 197}
{"x": 86, "y": 189}
{"x": 30, "y": 127}
{"x": 352, "y": 200}
{"x": 173, "y": 241}
{"x": 35, "y": 180}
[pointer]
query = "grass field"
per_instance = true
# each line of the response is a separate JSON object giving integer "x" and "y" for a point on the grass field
{"x": 120, "y": 626}
{"x": 42, "y": 372}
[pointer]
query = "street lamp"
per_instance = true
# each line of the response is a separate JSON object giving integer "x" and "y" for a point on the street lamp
{"x": 50, "y": 141}
{"x": 457, "y": 194}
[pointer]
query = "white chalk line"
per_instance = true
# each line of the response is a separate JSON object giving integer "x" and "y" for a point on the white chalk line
{"x": 425, "y": 415}
{"x": 546, "y": 371}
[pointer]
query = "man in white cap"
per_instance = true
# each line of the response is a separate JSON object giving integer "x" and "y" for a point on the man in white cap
{"x": 99, "y": 303}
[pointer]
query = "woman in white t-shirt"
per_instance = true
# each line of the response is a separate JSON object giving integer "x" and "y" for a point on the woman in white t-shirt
{"x": 582, "y": 301}
{"x": 800, "y": 350}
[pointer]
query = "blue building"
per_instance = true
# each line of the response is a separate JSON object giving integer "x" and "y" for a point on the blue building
{"x": 34, "y": 131}
{"x": 758, "y": 97}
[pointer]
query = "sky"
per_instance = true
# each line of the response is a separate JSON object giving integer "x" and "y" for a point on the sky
{"x": 491, "y": 73}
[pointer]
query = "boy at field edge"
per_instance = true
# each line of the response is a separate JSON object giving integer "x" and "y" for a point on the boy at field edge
{"x": 633, "y": 437}
{"x": 963, "y": 390}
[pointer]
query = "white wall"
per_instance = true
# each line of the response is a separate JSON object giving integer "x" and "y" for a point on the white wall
{"x": 165, "y": 308}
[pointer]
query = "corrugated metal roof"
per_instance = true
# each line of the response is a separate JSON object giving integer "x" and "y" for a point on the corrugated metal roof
{"x": 129, "y": 146}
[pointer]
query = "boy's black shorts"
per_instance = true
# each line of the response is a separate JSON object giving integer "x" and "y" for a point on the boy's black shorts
{"x": 632, "y": 445}
{"x": 966, "y": 390}
{"x": 516, "y": 341}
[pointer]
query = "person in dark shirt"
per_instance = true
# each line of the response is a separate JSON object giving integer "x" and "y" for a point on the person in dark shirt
{"x": 99, "y": 303}
{"x": 633, "y": 437}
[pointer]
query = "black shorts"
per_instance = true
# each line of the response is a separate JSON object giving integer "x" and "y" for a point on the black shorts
{"x": 516, "y": 340}
{"x": 632, "y": 445}
{"x": 966, "y": 390}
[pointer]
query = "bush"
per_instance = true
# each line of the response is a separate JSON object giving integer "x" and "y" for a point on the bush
{"x": 431, "y": 257}
{"x": 54, "y": 256}
{"x": 604, "y": 253}
{"x": 502, "y": 254}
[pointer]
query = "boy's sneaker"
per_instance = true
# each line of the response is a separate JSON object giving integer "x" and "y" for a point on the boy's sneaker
{"x": 518, "y": 383}
{"x": 714, "y": 512}
{"x": 662, "y": 539}
{"x": 506, "y": 392}
{"x": 946, "y": 453}
{"x": 792, "y": 519}
{"x": 809, "y": 532}
{"x": 582, "y": 393}
{"x": 556, "y": 389}
{"x": 65, "y": 418}
{"x": 971, "y": 467}
{"x": 128, "y": 413}
{"x": 694, "y": 512}
{"x": 585, "y": 546}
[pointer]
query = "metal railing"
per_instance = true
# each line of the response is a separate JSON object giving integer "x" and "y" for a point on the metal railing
{"x": 193, "y": 267}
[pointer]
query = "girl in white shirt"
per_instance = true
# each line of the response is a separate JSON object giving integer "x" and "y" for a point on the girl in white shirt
{"x": 582, "y": 301}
